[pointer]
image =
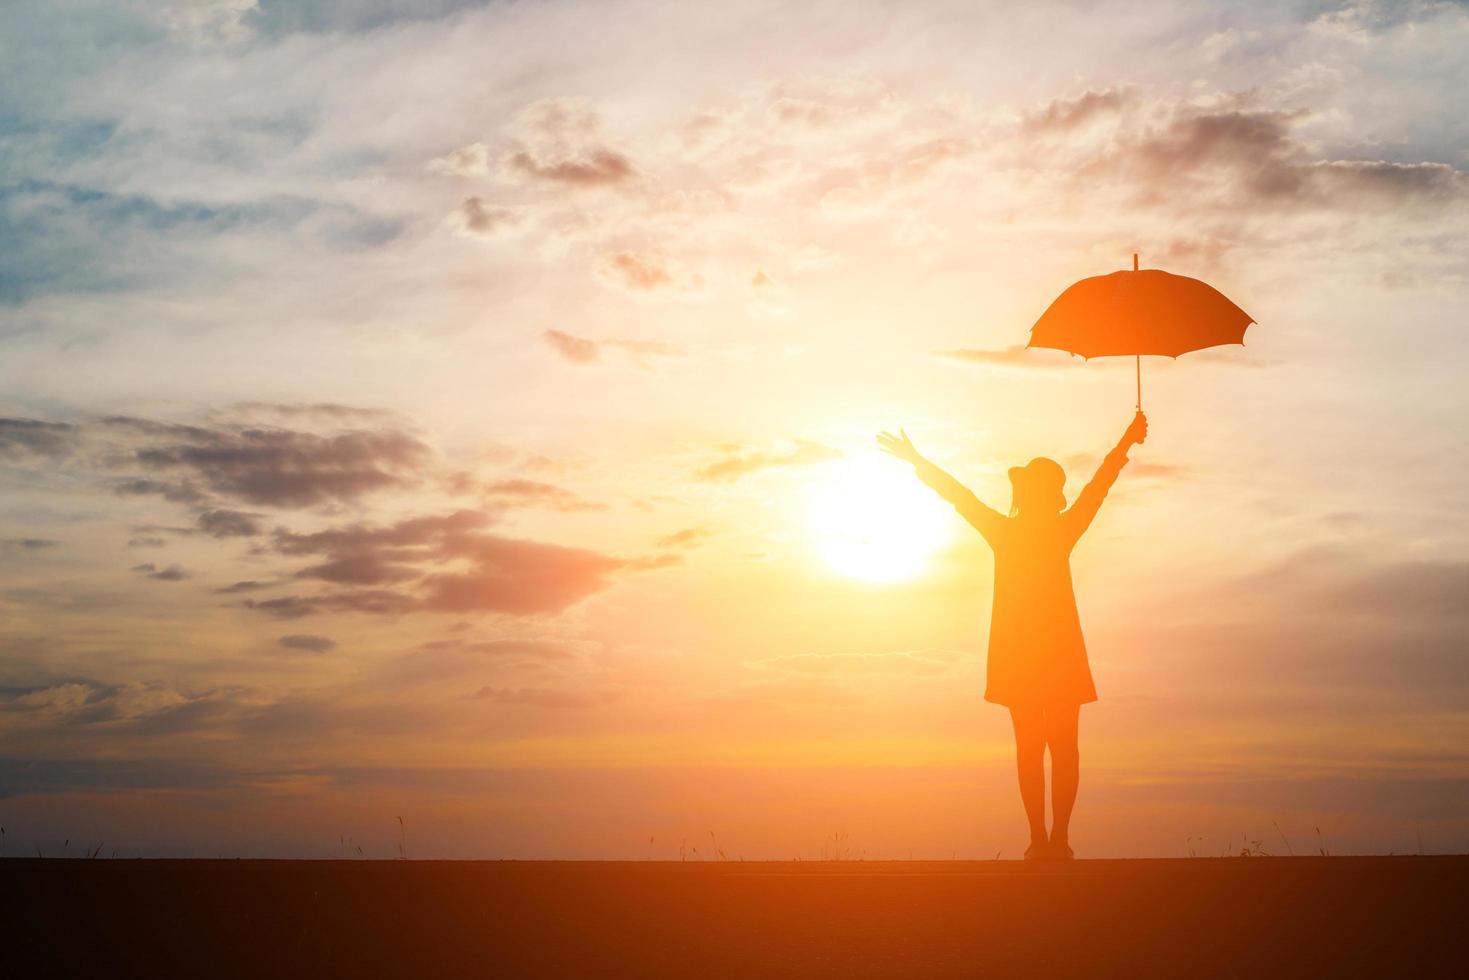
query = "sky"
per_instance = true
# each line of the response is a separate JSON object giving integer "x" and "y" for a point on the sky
{"x": 446, "y": 429}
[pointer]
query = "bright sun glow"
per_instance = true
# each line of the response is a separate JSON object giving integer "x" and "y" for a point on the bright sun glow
{"x": 871, "y": 519}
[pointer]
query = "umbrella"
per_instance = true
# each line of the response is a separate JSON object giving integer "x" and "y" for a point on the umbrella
{"x": 1145, "y": 311}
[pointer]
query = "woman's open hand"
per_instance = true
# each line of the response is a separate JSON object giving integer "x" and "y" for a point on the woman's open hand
{"x": 900, "y": 446}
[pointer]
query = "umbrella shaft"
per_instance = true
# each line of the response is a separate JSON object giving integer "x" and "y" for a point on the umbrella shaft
{"x": 1139, "y": 382}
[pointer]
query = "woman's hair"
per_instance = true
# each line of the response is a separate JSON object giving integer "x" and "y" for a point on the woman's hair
{"x": 1038, "y": 486}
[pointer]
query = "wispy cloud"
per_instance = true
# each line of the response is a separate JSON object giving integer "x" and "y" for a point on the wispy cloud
{"x": 584, "y": 350}
{"x": 739, "y": 464}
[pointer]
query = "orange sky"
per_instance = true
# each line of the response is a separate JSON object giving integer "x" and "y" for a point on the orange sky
{"x": 466, "y": 414}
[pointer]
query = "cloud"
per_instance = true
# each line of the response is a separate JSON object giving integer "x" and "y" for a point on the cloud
{"x": 377, "y": 602}
{"x": 521, "y": 491}
{"x": 1068, "y": 114}
{"x": 309, "y": 642}
{"x": 244, "y": 585}
{"x": 363, "y": 555}
{"x": 540, "y": 697}
{"x": 502, "y": 575}
{"x": 594, "y": 167}
{"x": 358, "y": 569}
{"x": 1229, "y": 153}
{"x": 172, "y": 573}
{"x": 412, "y": 539}
{"x": 30, "y": 544}
{"x": 330, "y": 413}
{"x": 229, "y": 524}
{"x": 640, "y": 272}
{"x": 735, "y": 466}
{"x": 882, "y": 177}
{"x": 472, "y": 160}
{"x": 577, "y": 350}
{"x": 474, "y": 217}
{"x": 561, "y": 144}
{"x": 519, "y": 577}
{"x": 281, "y": 467}
{"x": 178, "y": 493}
{"x": 205, "y": 21}
{"x": 583, "y": 350}
{"x": 688, "y": 537}
{"x": 34, "y": 437}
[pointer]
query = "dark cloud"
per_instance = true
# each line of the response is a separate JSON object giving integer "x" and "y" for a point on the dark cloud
{"x": 30, "y": 544}
{"x": 31, "y": 436}
{"x": 179, "y": 493}
{"x": 245, "y": 585}
{"x": 310, "y": 642}
{"x": 286, "y": 607}
{"x": 147, "y": 542}
{"x": 735, "y": 466}
{"x": 502, "y": 574}
{"x": 281, "y": 467}
{"x": 1238, "y": 156}
{"x": 358, "y": 569}
{"x": 230, "y": 524}
{"x": 172, "y": 573}
{"x": 479, "y": 218}
{"x": 589, "y": 168}
{"x": 414, "y": 539}
{"x": 380, "y": 602}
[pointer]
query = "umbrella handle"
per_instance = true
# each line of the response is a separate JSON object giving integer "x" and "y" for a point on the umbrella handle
{"x": 1139, "y": 382}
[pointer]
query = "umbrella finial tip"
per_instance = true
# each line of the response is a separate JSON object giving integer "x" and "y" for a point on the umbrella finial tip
{"x": 1134, "y": 261}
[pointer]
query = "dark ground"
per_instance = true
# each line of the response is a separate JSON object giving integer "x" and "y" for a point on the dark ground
{"x": 1207, "y": 917}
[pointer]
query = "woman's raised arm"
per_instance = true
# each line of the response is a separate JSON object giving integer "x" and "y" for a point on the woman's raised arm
{"x": 986, "y": 520}
{"x": 1089, "y": 501}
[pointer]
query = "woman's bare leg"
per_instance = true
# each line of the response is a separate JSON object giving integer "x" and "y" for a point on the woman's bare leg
{"x": 1030, "y": 762}
{"x": 1061, "y": 736}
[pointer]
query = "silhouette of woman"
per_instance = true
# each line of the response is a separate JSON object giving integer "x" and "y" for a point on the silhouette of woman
{"x": 1037, "y": 663}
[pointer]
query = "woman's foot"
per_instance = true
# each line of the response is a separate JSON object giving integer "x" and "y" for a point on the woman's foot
{"x": 1038, "y": 850}
{"x": 1060, "y": 851}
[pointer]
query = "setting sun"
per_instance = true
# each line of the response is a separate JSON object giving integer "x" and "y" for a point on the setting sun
{"x": 870, "y": 519}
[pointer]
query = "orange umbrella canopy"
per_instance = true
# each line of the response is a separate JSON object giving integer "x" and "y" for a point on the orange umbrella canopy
{"x": 1146, "y": 311}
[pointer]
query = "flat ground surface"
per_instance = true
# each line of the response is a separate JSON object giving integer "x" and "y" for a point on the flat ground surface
{"x": 1207, "y": 917}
